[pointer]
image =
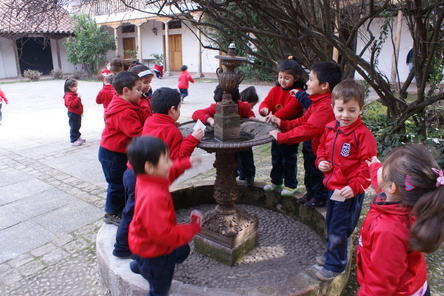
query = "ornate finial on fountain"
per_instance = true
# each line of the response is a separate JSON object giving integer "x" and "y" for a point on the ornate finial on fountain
{"x": 231, "y": 50}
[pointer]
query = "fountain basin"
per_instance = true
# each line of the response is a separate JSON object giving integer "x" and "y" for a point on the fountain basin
{"x": 121, "y": 281}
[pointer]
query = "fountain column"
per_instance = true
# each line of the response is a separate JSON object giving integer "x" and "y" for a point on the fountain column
{"x": 228, "y": 233}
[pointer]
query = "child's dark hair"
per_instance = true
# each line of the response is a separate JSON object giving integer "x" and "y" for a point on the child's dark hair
{"x": 163, "y": 99}
{"x": 145, "y": 149}
{"x": 124, "y": 79}
{"x": 109, "y": 78}
{"x": 219, "y": 92}
{"x": 416, "y": 174}
{"x": 139, "y": 69}
{"x": 291, "y": 66}
{"x": 328, "y": 72}
{"x": 184, "y": 68}
{"x": 70, "y": 82}
{"x": 347, "y": 90}
{"x": 116, "y": 65}
{"x": 249, "y": 95}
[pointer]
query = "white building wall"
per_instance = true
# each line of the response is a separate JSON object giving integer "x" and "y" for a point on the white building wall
{"x": 8, "y": 67}
{"x": 67, "y": 67}
{"x": 386, "y": 56}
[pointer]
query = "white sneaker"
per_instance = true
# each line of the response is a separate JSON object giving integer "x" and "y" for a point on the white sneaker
{"x": 288, "y": 191}
{"x": 271, "y": 187}
{"x": 77, "y": 143}
{"x": 81, "y": 140}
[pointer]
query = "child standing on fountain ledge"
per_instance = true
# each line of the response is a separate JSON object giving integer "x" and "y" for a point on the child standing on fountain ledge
{"x": 157, "y": 242}
{"x": 344, "y": 148}
{"x": 284, "y": 155}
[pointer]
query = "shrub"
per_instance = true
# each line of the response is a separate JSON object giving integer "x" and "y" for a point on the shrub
{"x": 33, "y": 75}
{"x": 57, "y": 73}
{"x": 76, "y": 74}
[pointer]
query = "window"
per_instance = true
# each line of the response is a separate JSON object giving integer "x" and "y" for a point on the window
{"x": 128, "y": 29}
{"x": 173, "y": 25}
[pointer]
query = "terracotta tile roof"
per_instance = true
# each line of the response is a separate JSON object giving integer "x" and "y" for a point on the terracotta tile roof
{"x": 33, "y": 16}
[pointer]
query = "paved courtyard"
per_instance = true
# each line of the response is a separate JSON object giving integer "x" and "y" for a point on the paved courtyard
{"x": 52, "y": 195}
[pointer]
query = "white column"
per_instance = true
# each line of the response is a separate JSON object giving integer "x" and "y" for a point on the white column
{"x": 167, "y": 51}
{"x": 199, "y": 55}
{"x": 139, "y": 42}
{"x": 117, "y": 41}
{"x": 396, "y": 45}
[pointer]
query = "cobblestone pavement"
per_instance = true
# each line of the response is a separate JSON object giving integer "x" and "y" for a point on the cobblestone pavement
{"x": 52, "y": 195}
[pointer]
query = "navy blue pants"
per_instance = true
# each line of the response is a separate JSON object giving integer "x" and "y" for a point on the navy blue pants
{"x": 341, "y": 220}
{"x": 113, "y": 166}
{"x": 75, "y": 122}
{"x": 121, "y": 248}
{"x": 245, "y": 164}
{"x": 284, "y": 162}
{"x": 183, "y": 92}
{"x": 159, "y": 271}
{"x": 313, "y": 177}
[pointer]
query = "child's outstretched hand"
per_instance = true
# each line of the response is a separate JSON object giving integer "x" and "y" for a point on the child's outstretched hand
{"x": 325, "y": 166}
{"x": 274, "y": 134}
{"x": 293, "y": 92}
{"x": 210, "y": 121}
{"x": 196, "y": 217}
{"x": 195, "y": 161}
{"x": 347, "y": 192}
{"x": 273, "y": 120}
{"x": 198, "y": 134}
{"x": 264, "y": 111}
{"x": 374, "y": 159}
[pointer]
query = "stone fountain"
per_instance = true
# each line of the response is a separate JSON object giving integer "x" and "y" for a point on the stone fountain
{"x": 228, "y": 233}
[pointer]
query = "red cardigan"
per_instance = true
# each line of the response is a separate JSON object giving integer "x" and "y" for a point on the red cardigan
{"x": 124, "y": 121}
{"x": 105, "y": 95}
{"x": 347, "y": 148}
{"x": 384, "y": 263}
{"x": 311, "y": 125}
{"x": 163, "y": 127}
{"x": 244, "y": 110}
{"x": 277, "y": 99}
{"x": 73, "y": 103}
{"x": 153, "y": 232}
{"x": 183, "y": 80}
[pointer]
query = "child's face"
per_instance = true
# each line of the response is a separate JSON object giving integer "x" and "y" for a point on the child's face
{"x": 162, "y": 169}
{"x": 252, "y": 104}
{"x": 146, "y": 83}
{"x": 314, "y": 87}
{"x": 133, "y": 95}
{"x": 286, "y": 80}
{"x": 346, "y": 113}
{"x": 73, "y": 88}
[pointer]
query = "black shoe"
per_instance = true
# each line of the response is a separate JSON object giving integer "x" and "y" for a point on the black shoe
{"x": 313, "y": 203}
{"x": 303, "y": 199}
{"x": 249, "y": 181}
{"x": 112, "y": 219}
{"x": 134, "y": 266}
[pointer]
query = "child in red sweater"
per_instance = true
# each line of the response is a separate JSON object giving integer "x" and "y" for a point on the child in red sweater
{"x": 2, "y": 98}
{"x": 124, "y": 121}
{"x": 107, "y": 92}
{"x": 156, "y": 240}
{"x": 75, "y": 111}
{"x": 323, "y": 78}
{"x": 184, "y": 78}
{"x": 166, "y": 105}
{"x": 284, "y": 155}
{"x": 146, "y": 76}
{"x": 244, "y": 158}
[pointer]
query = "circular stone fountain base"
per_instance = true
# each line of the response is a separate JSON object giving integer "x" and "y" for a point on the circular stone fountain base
{"x": 282, "y": 264}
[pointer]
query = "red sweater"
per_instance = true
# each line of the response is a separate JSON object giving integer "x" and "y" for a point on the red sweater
{"x": 73, "y": 103}
{"x": 183, "y": 80}
{"x": 163, "y": 127}
{"x": 277, "y": 99}
{"x": 347, "y": 148}
{"x": 124, "y": 121}
{"x": 145, "y": 105}
{"x": 385, "y": 265}
{"x": 3, "y": 97}
{"x": 105, "y": 95}
{"x": 153, "y": 232}
{"x": 244, "y": 110}
{"x": 311, "y": 125}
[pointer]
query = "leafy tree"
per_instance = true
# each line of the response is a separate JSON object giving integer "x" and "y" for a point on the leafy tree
{"x": 312, "y": 30}
{"x": 89, "y": 44}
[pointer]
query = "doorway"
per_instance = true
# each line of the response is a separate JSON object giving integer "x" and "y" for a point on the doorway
{"x": 35, "y": 54}
{"x": 175, "y": 54}
{"x": 128, "y": 44}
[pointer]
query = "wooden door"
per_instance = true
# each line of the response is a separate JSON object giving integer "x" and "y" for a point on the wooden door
{"x": 128, "y": 44}
{"x": 175, "y": 54}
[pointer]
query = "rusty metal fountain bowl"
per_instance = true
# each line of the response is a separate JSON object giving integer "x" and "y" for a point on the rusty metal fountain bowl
{"x": 253, "y": 133}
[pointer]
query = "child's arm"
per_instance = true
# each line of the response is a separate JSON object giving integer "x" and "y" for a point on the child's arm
{"x": 205, "y": 114}
{"x": 322, "y": 162}
{"x": 73, "y": 101}
{"x": 100, "y": 99}
{"x": 129, "y": 123}
{"x": 292, "y": 110}
{"x": 375, "y": 170}
{"x": 265, "y": 106}
{"x": 183, "y": 147}
{"x": 190, "y": 79}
